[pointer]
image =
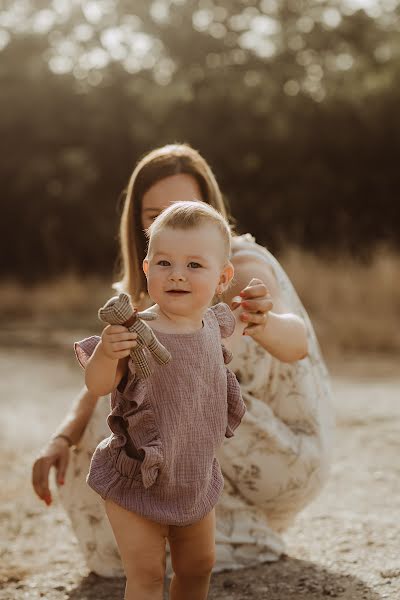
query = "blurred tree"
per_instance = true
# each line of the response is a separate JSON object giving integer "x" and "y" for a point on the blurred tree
{"x": 293, "y": 103}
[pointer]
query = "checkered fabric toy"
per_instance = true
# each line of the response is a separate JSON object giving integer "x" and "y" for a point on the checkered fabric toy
{"x": 119, "y": 311}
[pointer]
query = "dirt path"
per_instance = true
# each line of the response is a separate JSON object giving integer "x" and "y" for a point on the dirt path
{"x": 344, "y": 546}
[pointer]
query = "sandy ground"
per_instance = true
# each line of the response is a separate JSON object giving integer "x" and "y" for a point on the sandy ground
{"x": 346, "y": 545}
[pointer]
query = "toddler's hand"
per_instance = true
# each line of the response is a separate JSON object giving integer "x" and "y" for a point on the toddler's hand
{"x": 117, "y": 341}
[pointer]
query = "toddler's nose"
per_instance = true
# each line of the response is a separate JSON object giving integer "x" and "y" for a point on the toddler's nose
{"x": 177, "y": 275}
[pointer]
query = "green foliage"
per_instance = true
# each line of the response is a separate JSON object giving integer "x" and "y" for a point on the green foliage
{"x": 294, "y": 104}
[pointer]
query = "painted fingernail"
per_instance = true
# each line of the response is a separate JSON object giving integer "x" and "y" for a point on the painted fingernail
{"x": 245, "y": 304}
{"x": 62, "y": 481}
{"x": 245, "y": 317}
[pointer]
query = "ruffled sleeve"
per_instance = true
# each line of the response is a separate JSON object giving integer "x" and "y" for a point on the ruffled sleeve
{"x": 236, "y": 406}
{"x": 128, "y": 378}
{"x": 85, "y": 348}
{"x": 227, "y": 354}
{"x": 225, "y": 318}
{"x": 136, "y": 443}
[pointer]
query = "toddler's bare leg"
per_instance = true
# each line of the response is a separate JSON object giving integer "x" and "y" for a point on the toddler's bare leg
{"x": 193, "y": 558}
{"x": 141, "y": 543}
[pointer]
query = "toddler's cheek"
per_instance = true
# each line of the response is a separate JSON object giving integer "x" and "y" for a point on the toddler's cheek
{"x": 153, "y": 289}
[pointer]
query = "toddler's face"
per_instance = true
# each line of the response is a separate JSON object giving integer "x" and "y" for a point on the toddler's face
{"x": 185, "y": 267}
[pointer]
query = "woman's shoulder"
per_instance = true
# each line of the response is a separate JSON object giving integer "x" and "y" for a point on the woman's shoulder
{"x": 246, "y": 251}
{"x": 246, "y": 244}
{"x": 246, "y": 240}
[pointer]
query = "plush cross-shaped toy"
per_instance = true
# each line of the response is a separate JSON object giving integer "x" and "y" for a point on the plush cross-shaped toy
{"x": 119, "y": 311}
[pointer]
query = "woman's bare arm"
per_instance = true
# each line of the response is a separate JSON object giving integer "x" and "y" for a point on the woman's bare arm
{"x": 78, "y": 416}
{"x": 56, "y": 451}
{"x": 269, "y": 321}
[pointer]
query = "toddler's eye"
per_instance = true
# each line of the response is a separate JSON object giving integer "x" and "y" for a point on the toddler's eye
{"x": 194, "y": 265}
{"x": 163, "y": 263}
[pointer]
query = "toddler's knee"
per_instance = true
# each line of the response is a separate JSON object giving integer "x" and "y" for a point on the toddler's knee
{"x": 197, "y": 566}
{"x": 146, "y": 574}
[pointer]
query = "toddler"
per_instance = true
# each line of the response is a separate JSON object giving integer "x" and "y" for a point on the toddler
{"x": 157, "y": 472}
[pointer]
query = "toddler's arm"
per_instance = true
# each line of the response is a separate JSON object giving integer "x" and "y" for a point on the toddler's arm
{"x": 232, "y": 342}
{"x": 109, "y": 361}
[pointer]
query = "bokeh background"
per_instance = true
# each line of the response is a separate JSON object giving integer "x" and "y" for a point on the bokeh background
{"x": 294, "y": 103}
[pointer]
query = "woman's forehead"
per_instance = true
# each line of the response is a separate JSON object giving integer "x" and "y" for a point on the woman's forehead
{"x": 175, "y": 188}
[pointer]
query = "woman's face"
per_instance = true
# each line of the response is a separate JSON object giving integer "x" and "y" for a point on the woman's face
{"x": 175, "y": 188}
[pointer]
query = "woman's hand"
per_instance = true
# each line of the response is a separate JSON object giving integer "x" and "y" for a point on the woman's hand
{"x": 54, "y": 454}
{"x": 256, "y": 303}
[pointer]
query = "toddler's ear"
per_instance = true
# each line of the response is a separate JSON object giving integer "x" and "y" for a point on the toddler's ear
{"x": 145, "y": 266}
{"x": 226, "y": 276}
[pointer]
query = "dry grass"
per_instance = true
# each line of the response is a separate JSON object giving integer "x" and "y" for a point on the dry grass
{"x": 69, "y": 301}
{"x": 354, "y": 307}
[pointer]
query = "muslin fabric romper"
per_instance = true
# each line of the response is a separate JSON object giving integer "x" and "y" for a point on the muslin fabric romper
{"x": 273, "y": 467}
{"x": 160, "y": 459}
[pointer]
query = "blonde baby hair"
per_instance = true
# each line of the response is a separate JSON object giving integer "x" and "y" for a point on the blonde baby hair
{"x": 188, "y": 215}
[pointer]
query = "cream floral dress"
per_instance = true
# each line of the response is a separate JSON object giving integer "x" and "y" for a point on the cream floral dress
{"x": 273, "y": 467}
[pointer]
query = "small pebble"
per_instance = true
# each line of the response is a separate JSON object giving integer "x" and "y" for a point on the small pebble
{"x": 390, "y": 573}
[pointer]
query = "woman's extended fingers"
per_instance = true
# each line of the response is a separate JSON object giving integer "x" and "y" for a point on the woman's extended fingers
{"x": 61, "y": 468}
{"x": 55, "y": 454}
{"x": 255, "y": 289}
{"x": 256, "y": 297}
{"x": 254, "y": 318}
{"x": 263, "y": 304}
{"x": 256, "y": 303}
{"x": 40, "y": 479}
{"x": 255, "y": 323}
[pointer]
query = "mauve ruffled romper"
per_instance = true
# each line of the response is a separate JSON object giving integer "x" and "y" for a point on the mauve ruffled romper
{"x": 159, "y": 460}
